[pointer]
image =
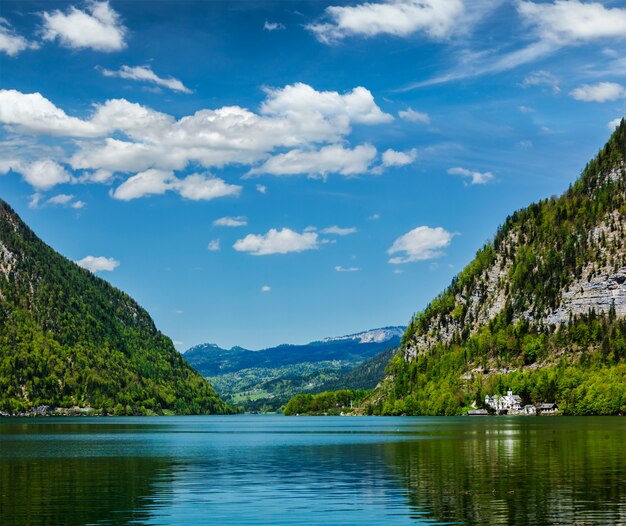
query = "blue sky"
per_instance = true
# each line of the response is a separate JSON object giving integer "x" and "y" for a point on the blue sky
{"x": 256, "y": 173}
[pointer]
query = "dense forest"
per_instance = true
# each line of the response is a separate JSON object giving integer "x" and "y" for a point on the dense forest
{"x": 68, "y": 338}
{"x": 534, "y": 311}
{"x": 329, "y": 403}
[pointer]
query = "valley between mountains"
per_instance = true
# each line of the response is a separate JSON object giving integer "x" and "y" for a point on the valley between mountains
{"x": 540, "y": 310}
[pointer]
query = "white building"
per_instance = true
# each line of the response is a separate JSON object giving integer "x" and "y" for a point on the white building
{"x": 508, "y": 403}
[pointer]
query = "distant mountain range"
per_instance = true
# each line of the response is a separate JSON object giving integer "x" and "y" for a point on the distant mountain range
{"x": 268, "y": 377}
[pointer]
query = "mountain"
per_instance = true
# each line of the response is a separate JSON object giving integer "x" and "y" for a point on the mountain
{"x": 70, "y": 339}
{"x": 540, "y": 310}
{"x": 266, "y": 379}
{"x": 365, "y": 376}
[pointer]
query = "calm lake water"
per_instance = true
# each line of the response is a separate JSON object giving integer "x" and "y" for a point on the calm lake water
{"x": 278, "y": 470}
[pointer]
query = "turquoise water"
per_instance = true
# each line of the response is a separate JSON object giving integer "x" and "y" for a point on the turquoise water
{"x": 278, "y": 470}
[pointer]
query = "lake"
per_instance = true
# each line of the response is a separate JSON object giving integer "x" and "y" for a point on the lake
{"x": 306, "y": 470}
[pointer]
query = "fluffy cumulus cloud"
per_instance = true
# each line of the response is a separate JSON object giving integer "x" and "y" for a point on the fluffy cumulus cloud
{"x": 98, "y": 263}
{"x": 420, "y": 244}
{"x": 395, "y": 158}
{"x": 565, "y": 22}
{"x": 276, "y": 241}
{"x": 33, "y": 113}
{"x": 231, "y": 221}
{"x": 266, "y": 288}
{"x": 196, "y": 187}
{"x": 10, "y": 42}
{"x": 320, "y": 163}
{"x": 214, "y": 245}
{"x": 601, "y": 92}
{"x": 98, "y": 27}
{"x": 614, "y": 123}
{"x": 44, "y": 174}
{"x": 474, "y": 176}
{"x": 308, "y": 127}
{"x": 145, "y": 74}
{"x": 414, "y": 116}
{"x": 437, "y": 19}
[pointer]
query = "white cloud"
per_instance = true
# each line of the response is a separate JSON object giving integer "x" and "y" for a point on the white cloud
{"x": 374, "y": 217}
{"x": 414, "y": 116}
{"x": 437, "y": 19}
{"x": 231, "y": 221}
{"x": 320, "y": 163}
{"x": 128, "y": 138}
{"x": 395, "y": 158}
{"x": 601, "y": 92}
{"x": 34, "y": 200}
{"x": 150, "y": 182}
{"x": 567, "y": 22}
{"x": 60, "y": 199}
{"x": 10, "y": 42}
{"x": 420, "y": 244}
{"x": 275, "y": 241}
{"x": 266, "y": 288}
{"x": 476, "y": 177}
{"x": 98, "y": 263}
{"x": 542, "y": 78}
{"x": 195, "y": 187}
{"x": 261, "y": 188}
{"x": 44, "y": 174}
{"x": 273, "y": 26}
{"x": 356, "y": 106}
{"x": 66, "y": 200}
{"x": 98, "y": 27}
{"x": 145, "y": 73}
{"x": 339, "y": 268}
{"x": 614, "y": 123}
{"x": 33, "y": 113}
{"x": 198, "y": 187}
{"x": 552, "y": 26}
{"x": 338, "y": 231}
{"x": 214, "y": 245}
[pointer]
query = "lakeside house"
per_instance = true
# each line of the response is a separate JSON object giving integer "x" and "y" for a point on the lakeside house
{"x": 548, "y": 409}
{"x": 506, "y": 404}
{"x": 511, "y": 404}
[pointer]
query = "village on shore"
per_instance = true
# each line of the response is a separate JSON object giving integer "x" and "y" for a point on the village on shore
{"x": 511, "y": 404}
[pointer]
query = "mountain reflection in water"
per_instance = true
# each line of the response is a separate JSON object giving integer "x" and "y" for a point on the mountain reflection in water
{"x": 277, "y": 470}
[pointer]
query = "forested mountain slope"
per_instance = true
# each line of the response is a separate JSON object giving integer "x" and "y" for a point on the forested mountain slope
{"x": 540, "y": 309}
{"x": 68, "y": 338}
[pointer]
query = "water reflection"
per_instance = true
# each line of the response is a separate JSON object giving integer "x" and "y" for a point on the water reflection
{"x": 518, "y": 471}
{"x": 274, "y": 470}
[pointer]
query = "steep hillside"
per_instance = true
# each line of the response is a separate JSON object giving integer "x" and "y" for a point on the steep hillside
{"x": 540, "y": 309}
{"x": 365, "y": 376}
{"x": 68, "y": 338}
{"x": 264, "y": 380}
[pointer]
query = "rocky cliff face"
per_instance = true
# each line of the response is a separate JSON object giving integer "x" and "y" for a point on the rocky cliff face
{"x": 601, "y": 286}
{"x": 547, "y": 294}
